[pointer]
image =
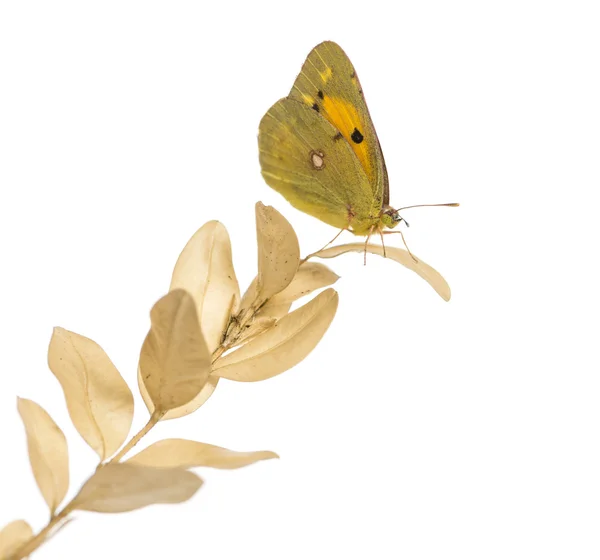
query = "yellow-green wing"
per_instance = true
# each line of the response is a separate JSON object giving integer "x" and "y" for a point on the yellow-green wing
{"x": 328, "y": 83}
{"x": 304, "y": 158}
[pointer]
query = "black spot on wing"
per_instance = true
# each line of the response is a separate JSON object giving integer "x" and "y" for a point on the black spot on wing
{"x": 315, "y": 107}
{"x": 321, "y": 94}
{"x": 338, "y": 136}
{"x": 356, "y": 136}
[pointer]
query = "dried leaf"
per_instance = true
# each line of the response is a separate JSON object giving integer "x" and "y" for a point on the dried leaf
{"x": 310, "y": 277}
{"x": 48, "y": 452}
{"x": 250, "y": 295}
{"x": 183, "y": 453}
{"x": 429, "y": 274}
{"x": 205, "y": 270}
{"x": 174, "y": 361}
{"x": 282, "y": 346}
{"x": 99, "y": 401}
{"x": 187, "y": 408}
{"x": 13, "y": 536}
{"x": 278, "y": 252}
{"x": 256, "y": 327}
{"x": 121, "y": 487}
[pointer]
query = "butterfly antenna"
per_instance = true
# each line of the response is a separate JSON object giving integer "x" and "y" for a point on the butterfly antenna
{"x": 452, "y": 204}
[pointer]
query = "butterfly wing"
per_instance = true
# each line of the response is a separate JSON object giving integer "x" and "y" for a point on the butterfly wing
{"x": 328, "y": 83}
{"x": 303, "y": 157}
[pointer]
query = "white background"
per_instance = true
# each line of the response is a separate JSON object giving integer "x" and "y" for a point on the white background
{"x": 417, "y": 429}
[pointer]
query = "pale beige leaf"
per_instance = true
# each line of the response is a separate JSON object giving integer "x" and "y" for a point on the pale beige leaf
{"x": 121, "y": 487}
{"x": 429, "y": 274}
{"x": 278, "y": 252}
{"x": 13, "y": 536}
{"x": 205, "y": 270}
{"x": 250, "y": 296}
{"x": 99, "y": 401}
{"x": 174, "y": 360}
{"x": 48, "y": 452}
{"x": 185, "y": 409}
{"x": 309, "y": 277}
{"x": 282, "y": 346}
{"x": 183, "y": 453}
{"x": 256, "y": 327}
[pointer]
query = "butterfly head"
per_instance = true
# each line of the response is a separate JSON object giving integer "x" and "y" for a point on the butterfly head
{"x": 390, "y": 217}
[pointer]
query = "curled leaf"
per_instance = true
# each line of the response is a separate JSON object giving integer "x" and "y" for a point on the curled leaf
{"x": 13, "y": 536}
{"x": 185, "y": 454}
{"x": 185, "y": 409}
{"x": 282, "y": 346}
{"x": 278, "y": 252}
{"x": 205, "y": 270}
{"x": 48, "y": 452}
{"x": 429, "y": 274}
{"x": 174, "y": 360}
{"x": 121, "y": 487}
{"x": 99, "y": 401}
{"x": 309, "y": 277}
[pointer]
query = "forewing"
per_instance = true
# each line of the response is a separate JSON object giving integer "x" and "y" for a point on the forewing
{"x": 303, "y": 158}
{"x": 328, "y": 82}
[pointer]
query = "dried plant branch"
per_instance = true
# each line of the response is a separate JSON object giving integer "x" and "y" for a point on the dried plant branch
{"x": 37, "y": 540}
{"x": 201, "y": 330}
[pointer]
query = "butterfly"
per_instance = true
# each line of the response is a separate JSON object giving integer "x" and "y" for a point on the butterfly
{"x": 319, "y": 149}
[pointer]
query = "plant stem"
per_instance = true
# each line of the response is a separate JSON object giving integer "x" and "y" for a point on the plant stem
{"x": 235, "y": 333}
{"x": 35, "y": 542}
{"x": 154, "y": 419}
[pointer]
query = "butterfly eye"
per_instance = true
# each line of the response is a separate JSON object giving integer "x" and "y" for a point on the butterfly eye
{"x": 398, "y": 218}
{"x": 393, "y": 218}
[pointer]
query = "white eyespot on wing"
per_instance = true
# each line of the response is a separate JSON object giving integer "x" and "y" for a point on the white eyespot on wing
{"x": 317, "y": 158}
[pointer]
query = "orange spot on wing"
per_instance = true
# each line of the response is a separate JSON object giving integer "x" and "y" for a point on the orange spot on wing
{"x": 346, "y": 118}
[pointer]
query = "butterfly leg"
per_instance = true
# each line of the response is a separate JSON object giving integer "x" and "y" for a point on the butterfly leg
{"x": 403, "y": 241}
{"x": 327, "y": 244}
{"x": 302, "y": 261}
{"x": 382, "y": 243}
{"x": 347, "y": 228}
{"x": 367, "y": 243}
